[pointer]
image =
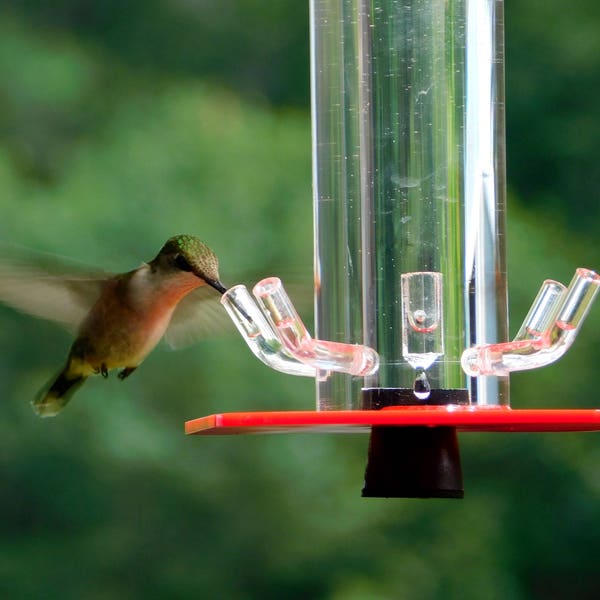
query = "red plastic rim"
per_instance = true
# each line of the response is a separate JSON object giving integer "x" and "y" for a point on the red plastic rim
{"x": 464, "y": 418}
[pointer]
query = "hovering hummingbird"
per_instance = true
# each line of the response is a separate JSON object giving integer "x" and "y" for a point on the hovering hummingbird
{"x": 119, "y": 318}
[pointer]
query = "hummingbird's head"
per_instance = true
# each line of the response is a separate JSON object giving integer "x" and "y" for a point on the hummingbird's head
{"x": 188, "y": 254}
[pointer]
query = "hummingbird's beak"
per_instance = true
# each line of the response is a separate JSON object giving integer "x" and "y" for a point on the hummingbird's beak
{"x": 215, "y": 283}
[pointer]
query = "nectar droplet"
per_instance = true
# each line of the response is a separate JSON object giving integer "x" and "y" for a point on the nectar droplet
{"x": 421, "y": 386}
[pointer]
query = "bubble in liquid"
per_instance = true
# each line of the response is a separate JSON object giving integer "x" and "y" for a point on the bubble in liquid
{"x": 420, "y": 316}
{"x": 421, "y": 387}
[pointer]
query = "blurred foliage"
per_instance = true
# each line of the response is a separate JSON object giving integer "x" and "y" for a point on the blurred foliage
{"x": 553, "y": 118}
{"x": 124, "y": 123}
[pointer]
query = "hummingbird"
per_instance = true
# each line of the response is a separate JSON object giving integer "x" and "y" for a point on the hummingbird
{"x": 119, "y": 319}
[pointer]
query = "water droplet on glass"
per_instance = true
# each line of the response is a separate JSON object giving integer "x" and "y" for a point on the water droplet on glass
{"x": 421, "y": 387}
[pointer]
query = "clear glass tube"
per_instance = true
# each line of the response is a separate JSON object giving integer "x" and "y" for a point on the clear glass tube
{"x": 423, "y": 322}
{"x": 323, "y": 355}
{"x": 548, "y": 331}
{"x": 408, "y": 172}
{"x": 581, "y": 293}
{"x": 258, "y": 333}
{"x": 543, "y": 312}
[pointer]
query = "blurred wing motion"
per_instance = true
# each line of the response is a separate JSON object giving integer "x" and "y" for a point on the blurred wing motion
{"x": 198, "y": 315}
{"x": 47, "y": 286}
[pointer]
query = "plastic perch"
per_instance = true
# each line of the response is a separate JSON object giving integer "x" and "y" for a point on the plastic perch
{"x": 259, "y": 334}
{"x": 277, "y": 336}
{"x": 547, "y": 333}
{"x": 353, "y": 359}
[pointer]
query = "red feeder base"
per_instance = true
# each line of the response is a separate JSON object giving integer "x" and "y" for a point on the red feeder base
{"x": 463, "y": 418}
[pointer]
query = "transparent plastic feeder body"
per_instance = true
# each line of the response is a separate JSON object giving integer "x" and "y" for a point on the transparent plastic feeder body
{"x": 408, "y": 173}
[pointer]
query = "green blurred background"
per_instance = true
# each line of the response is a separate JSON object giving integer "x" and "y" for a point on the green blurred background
{"x": 122, "y": 124}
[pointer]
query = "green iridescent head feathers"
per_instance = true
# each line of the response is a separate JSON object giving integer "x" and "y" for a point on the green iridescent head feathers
{"x": 188, "y": 253}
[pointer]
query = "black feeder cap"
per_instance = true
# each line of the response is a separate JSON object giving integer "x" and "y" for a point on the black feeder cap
{"x": 412, "y": 462}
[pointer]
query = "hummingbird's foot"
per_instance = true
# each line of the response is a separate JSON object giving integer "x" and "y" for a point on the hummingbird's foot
{"x": 126, "y": 372}
{"x": 102, "y": 370}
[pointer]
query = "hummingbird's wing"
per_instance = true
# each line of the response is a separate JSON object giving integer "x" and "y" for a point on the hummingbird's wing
{"x": 48, "y": 287}
{"x": 198, "y": 315}
{"x": 201, "y": 315}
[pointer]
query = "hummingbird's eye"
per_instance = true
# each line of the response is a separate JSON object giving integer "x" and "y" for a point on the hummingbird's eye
{"x": 182, "y": 263}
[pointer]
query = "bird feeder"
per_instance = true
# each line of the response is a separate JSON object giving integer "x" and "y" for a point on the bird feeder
{"x": 411, "y": 333}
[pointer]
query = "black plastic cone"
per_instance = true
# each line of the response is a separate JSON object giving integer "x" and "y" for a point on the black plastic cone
{"x": 413, "y": 462}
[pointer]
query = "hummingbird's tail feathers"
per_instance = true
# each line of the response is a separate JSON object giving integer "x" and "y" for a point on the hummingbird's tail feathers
{"x": 50, "y": 401}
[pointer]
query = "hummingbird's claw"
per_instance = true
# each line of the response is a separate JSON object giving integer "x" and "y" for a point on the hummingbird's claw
{"x": 103, "y": 370}
{"x": 126, "y": 372}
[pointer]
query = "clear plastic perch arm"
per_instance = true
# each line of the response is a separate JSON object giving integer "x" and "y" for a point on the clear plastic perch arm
{"x": 258, "y": 333}
{"x": 277, "y": 336}
{"x": 547, "y": 333}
